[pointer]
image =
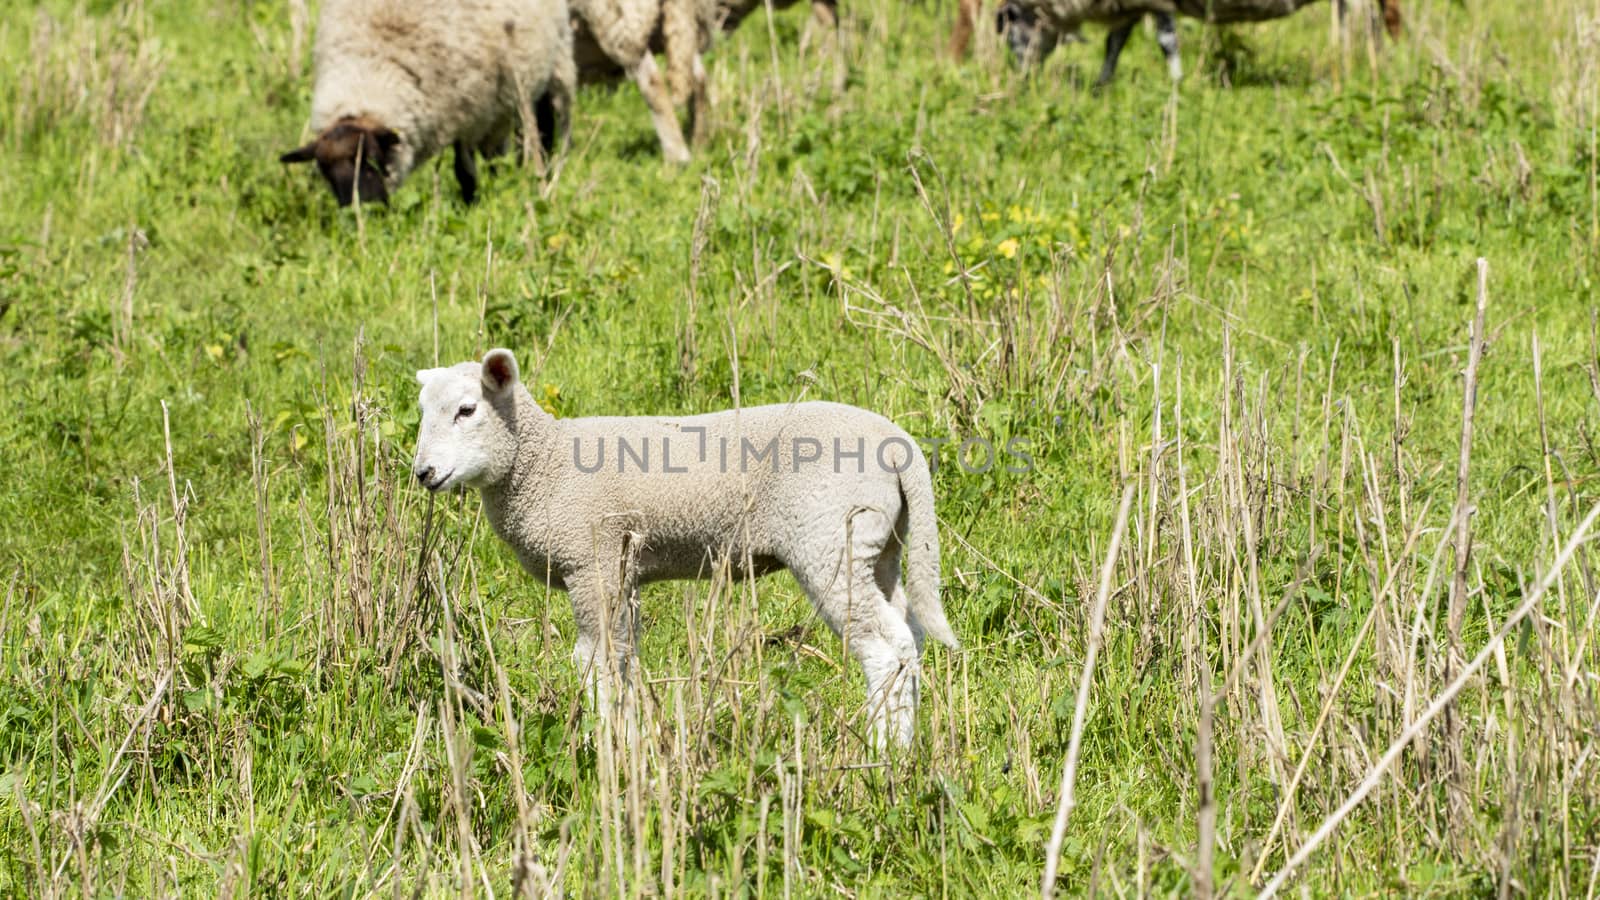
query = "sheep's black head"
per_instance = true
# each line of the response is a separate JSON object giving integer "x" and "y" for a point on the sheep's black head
{"x": 1029, "y": 39}
{"x": 355, "y": 155}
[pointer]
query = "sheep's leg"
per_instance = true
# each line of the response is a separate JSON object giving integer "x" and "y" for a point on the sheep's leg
{"x": 1391, "y": 17}
{"x": 1167, "y": 37}
{"x": 647, "y": 75}
{"x": 699, "y": 103}
{"x": 466, "y": 172}
{"x": 967, "y": 13}
{"x": 544, "y": 119}
{"x": 826, "y": 13}
{"x": 1115, "y": 39}
{"x": 845, "y": 591}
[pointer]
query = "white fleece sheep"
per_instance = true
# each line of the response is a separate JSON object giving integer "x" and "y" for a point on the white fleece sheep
{"x": 1032, "y": 28}
{"x": 398, "y": 81}
{"x": 615, "y": 38}
{"x": 599, "y": 506}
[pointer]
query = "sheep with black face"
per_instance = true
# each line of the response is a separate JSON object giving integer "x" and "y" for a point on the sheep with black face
{"x": 1033, "y": 28}
{"x": 397, "y": 82}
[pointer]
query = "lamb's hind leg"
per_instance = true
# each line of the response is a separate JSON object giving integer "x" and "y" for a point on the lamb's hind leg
{"x": 846, "y": 593}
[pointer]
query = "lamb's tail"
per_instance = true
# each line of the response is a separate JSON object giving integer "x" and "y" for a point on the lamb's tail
{"x": 920, "y": 543}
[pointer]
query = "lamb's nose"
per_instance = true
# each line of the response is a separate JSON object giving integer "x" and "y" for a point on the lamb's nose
{"x": 425, "y": 475}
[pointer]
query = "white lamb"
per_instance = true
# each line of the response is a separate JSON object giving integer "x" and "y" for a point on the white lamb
{"x": 599, "y": 506}
{"x": 398, "y": 81}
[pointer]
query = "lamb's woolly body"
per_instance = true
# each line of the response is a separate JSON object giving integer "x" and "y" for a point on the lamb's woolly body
{"x": 442, "y": 71}
{"x": 586, "y": 519}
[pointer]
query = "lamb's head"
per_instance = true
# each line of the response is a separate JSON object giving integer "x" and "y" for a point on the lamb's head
{"x": 470, "y": 422}
{"x": 357, "y": 156}
{"x": 1030, "y": 38}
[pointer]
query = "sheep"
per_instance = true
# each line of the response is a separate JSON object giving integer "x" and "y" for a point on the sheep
{"x": 755, "y": 489}
{"x": 617, "y": 38}
{"x": 733, "y": 12}
{"x": 397, "y": 82}
{"x": 1032, "y": 28}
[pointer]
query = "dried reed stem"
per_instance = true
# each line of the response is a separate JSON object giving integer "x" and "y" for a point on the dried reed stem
{"x": 1440, "y": 703}
{"x": 1069, "y": 774}
{"x": 1463, "y": 543}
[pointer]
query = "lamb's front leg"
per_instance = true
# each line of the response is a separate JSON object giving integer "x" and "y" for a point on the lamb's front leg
{"x": 607, "y": 615}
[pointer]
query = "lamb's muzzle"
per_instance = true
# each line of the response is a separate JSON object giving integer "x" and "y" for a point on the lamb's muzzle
{"x": 599, "y": 530}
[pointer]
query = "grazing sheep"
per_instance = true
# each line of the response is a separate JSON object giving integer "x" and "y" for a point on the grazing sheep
{"x": 398, "y": 81}
{"x": 617, "y": 38}
{"x": 1032, "y": 28}
{"x": 830, "y": 492}
{"x": 732, "y": 12}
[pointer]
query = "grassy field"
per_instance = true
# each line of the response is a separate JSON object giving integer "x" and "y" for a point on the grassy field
{"x": 241, "y": 653}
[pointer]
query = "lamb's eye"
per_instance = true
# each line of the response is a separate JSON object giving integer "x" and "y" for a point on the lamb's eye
{"x": 465, "y": 411}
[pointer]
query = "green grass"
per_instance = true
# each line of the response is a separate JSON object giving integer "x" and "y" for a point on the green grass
{"x": 240, "y": 668}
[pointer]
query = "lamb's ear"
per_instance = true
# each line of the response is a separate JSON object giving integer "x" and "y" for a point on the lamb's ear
{"x": 499, "y": 370}
{"x": 300, "y": 154}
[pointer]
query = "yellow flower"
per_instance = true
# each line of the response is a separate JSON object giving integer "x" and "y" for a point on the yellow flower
{"x": 990, "y": 217}
{"x": 551, "y": 401}
{"x": 957, "y": 222}
{"x": 1007, "y": 248}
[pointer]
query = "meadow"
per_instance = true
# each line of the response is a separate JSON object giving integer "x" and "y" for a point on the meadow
{"x": 1349, "y": 607}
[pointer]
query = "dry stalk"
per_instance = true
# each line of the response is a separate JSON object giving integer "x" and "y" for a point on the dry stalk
{"x": 1439, "y": 704}
{"x": 1069, "y": 773}
{"x": 1462, "y": 521}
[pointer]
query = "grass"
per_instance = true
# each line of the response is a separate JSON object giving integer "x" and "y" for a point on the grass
{"x": 243, "y": 654}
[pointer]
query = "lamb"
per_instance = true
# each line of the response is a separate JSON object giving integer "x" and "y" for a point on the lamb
{"x": 1032, "y": 28}
{"x": 616, "y": 38}
{"x": 833, "y": 493}
{"x": 397, "y": 82}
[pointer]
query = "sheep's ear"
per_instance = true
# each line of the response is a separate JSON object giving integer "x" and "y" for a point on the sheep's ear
{"x": 300, "y": 154}
{"x": 499, "y": 370}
